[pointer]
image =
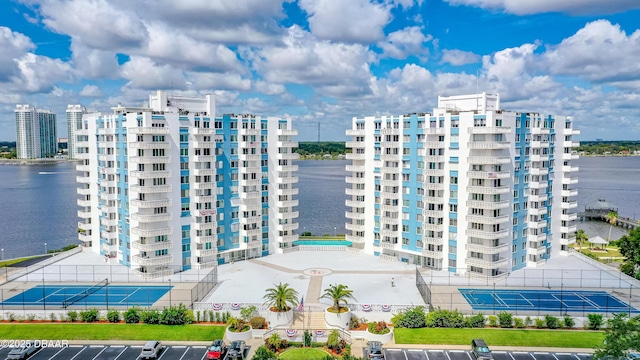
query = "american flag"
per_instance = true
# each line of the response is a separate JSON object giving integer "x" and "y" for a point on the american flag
{"x": 492, "y": 175}
{"x": 301, "y": 305}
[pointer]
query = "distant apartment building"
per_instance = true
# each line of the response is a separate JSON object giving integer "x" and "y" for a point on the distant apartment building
{"x": 74, "y": 123}
{"x": 36, "y": 134}
{"x": 170, "y": 186}
{"x": 471, "y": 188}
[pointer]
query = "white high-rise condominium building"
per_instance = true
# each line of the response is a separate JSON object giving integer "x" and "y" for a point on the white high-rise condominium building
{"x": 74, "y": 123}
{"x": 170, "y": 186}
{"x": 36, "y": 135}
{"x": 471, "y": 188}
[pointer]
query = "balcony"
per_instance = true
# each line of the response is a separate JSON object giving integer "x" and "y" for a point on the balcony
{"x": 150, "y": 145}
{"x": 249, "y": 132}
{"x": 489, "y": 130}
{"x": 538, "y": 171}
{"x": 151, "y": 232}
{"x": 84, "y": 237}
{"x": 488, "y": 220}
{"x": 205, "y": 239}
{"x": 434, "y": 158}
{"x": 356, "y": 132}
{"x": 569, "y": 180}
{"x": 153, "y": 274}
{"x": 250, "y": 157}
{"x": 289, "y": 238}
{"x": 152, "y": 261}
{"x": 287, "y": 204}
{"x": 204, "y": 226}
{"x": 389, "y": 157}
{"x": 569, "y": 205}
{"x": 569, "y": 169}
{"x": 151, "y": 189}
{"x": 487, "y": 264}
{"x": 489, "y": 250}
{"x": 537, "y": 237}
{"x": 285, "y": 192}
{"x": 149, "y": 159}
{"x": 287, "y": 180}
{"x": 151, "y": 218}
{"x": 538, "y": 197}
{"x": 84, "y": 214}
{"x": 352, "y": 156}
{"x": 85, "y": 168}
{"x": 354, "y": 192}
{"x": 568, "y": 229}
{"x": 161, "y": 245}
{"x": 84, "y": 226}
{"x": 288, "y": 215}
{"x": 204, "y": 198}
{"x": 203, "y": 185}
{"x": 433, "y": 254}
{"x": 83, "y": 179}
{"x": 433, "y": 227}
{"x": 387, "y": 245}
{"x": 149, "y": 174}
{"x": 287, "y": 156}
{"x": 203, "y": 172}
{"x": 287, "y": 168}
{"x": 108, "y": 222}
{"x": 354, "y": 227}
{"x": 488, "y": 175}
{"x": 569, "y": 217}
{"x": 489, "y": 190}
{"x": 538, "y": 211}
{"x": 203, "y": 158}
{"x": 568, "y": 193}
{"x": 355, "y": 144}
{"x": 539, "y": 157}
{"x": 84, "y": 203}
{"x": 488, "y": 160}
{"x": 287, "y": 144}
{"x": 353, "y": 203}
{"x": 146, "y": 204}
{"x": 205, "y": 252}
{"x": 432, "y": 240}
{"x": 434, "y": 131}
{"x": 148, "y": 130}
{"x": 540, "y": 131}
{"x": 202, "y": 131}
{"x": 488, "y": 145}
{"x": 489, "y": 205}
{"x": 538, "y": 185}
{"x": 537, "y": 251}
{"x": 429, "y": 186}
{"x": 487, "y": 234}
{"x": 353, "y": 179}
{"x": 288, "y": 132}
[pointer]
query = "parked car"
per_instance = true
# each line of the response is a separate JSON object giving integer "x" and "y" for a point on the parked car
{"x": 151, "y": 350}
{"x": 217, "y": 350}
{"x": 236, "y": 350}
{"x": 22, "y": 352}
{"x": 374, "y": 350}
{"x": 480, "y": 350}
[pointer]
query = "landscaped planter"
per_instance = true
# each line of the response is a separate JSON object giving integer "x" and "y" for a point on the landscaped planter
{"x": 280, "y": 319}
{"x": 235, "y": 336}
{"x": 337, "y": 320}
{"x": 382, "y": 338}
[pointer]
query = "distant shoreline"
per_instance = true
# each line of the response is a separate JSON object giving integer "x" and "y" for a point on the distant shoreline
{"x": 31, "y": 162}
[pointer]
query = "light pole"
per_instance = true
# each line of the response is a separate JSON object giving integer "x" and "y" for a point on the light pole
{"x": 45, "y": 248}
{"x": 335, "y": 231}
{"x": 2, "y": 255}
{"x": 169, "y": 293}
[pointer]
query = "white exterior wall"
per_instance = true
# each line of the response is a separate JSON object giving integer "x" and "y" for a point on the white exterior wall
{"x": 27, "y": 132}
{"x": 74, "y": 123}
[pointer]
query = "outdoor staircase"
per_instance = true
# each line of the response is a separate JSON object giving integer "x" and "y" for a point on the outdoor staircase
{"x": 309, "y": 320}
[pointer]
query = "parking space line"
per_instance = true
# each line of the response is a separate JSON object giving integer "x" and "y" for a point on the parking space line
{"x": 96, "y": 346}
{"x": 405, "y": 355}
{"x": 414, "y": 350}
{"x": 393, "y": 349}
{"x": 199, "y": 347}
{"x": 426, "y": 354}
{"x": 457, "y": 351}
{"x": 79, "y": 352}
{"x": 178, "y": 347}
{"x": 101, "y": 351}
{"x": 563, "y": 353}
{"x": 164, "y": 351}
{"x": 519, "y": 352}
{"x": 121, "y": 352}
{"x": 54, "y": 355}
{"x": 184, "y": 353}
{"x": 512, "y": 358}
{"x": 499, "y": 352}
{"x": 447, "y": 353}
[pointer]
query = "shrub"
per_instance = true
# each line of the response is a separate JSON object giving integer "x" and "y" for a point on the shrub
{"x": 518, "y": 323}
{"x": 53, "y": 317}
{"x": 11, "y": 317}
{"x": 540, "y": 324}
{"x": 275, "y": 343}
{"x": 569, "y": 322}
{"x": 595, "y": 321}
{"x": 306, "y": 340}
{"x": 175, "y": 315}
{"x": 410, "y": 318}
{"x": 476, "y": 321}
{"x": 150, "y": 316}
{"x": 90, "y": 315}
{"x": 226, "y": 316}
{"x": 527, "y": 321}
{"x": 247, "y": 313}
{"x": 493, "y": 321}
{"x": 31, "y": 317}
{"x": 113, "y": 316}
{"x": 218, "y": 317}
{"x": 258, "y": 322}
{"x": 237, "y": 325}
{"x": 445, "y": 318}
{"x": 378, "y": 328}
{"x": 262, "y": 353}
{"x": 211, "y": 317}
{"x": 335, "y": 343}
{"x": 552, "y": 322}
{"x": 198, "y": 314}
{"x": 132, "y": 315}
{"x": 72, "y": 315}
{"x": 506, "y": 319}
{"x": 353, "y": 322}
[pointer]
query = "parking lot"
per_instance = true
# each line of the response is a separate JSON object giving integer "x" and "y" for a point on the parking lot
{"x": 100, "y": 352}
{"x": 421, "y": 354}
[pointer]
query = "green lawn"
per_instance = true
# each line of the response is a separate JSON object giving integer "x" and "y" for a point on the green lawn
{"x": 303, "y": 354}
{"x": 6, "y": 263}
{"x": 501, "y": 337}
{"x": 80, "y": 331}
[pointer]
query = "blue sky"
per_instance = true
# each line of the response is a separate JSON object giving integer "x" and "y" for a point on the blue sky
{"x": 325, "y": 61}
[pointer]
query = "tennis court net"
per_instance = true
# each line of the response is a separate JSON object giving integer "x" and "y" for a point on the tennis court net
{"x": 84, "y": 293}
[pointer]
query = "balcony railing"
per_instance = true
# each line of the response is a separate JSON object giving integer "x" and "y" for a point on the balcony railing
{"x": 161, "y": 245}
{"x": 152, "y": 261}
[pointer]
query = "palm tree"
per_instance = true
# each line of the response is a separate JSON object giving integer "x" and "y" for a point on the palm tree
{"x": 581, "y": 237}
{"x": 281, "y": 298}
{"x": 612, "y": 218}
{"x": 338, "y": 294}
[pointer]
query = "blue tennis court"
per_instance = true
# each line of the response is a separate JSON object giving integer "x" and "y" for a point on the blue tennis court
{"x": 545, "y": 300}
{"x": 74, "y": 295}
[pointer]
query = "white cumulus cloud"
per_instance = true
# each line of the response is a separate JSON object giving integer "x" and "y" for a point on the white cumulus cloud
{"x": 458, "y": 57}
{"x": 577, "y": 7}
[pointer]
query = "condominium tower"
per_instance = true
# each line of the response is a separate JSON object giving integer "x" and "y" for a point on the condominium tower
{"x": 471, "y": 188}
{"x": 36, "y": 134}
{"x": 74, "y": 123}
{"x": 170, "y": 186}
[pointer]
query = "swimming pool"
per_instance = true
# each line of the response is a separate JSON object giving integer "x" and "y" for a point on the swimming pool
{"x": 322, "y": 242}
